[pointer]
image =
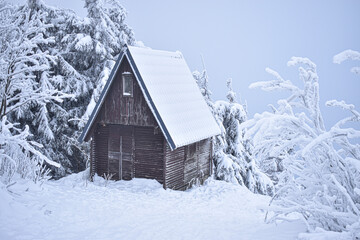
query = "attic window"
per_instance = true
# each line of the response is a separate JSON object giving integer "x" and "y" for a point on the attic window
{"x": 127, "y": 84}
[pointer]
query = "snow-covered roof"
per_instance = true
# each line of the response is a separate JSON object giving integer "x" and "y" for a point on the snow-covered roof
{"x": 171, "y": 93}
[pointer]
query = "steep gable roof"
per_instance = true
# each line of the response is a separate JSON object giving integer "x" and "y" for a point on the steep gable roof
{"x": 171, "y": 93}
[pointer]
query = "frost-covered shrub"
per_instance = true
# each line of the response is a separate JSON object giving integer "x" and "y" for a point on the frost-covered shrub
{"x": 233, "y": 161}
{"x": 320, "y": 177}
{"x": 19, "y": 156}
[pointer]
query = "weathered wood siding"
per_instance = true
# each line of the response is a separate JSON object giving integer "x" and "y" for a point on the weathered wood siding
{"x": 204, "y": 159}
{"x": 126, "y": 110}
{"x": 92, "y": 158}
{"x": 174, "y": 167}
{"x": 120, "y": 151}
{"x": 149, "y": 153}
{"x": 187, "y": 165}
{"x": 197, "y": 162}
{"x": 191, "y": 168}
{"x": 101, "y": 136}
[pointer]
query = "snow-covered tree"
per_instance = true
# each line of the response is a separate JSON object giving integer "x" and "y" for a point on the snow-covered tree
{"x": 81, "y": 53}
{"x": 233, "y": 153}
{"x": 24, "y": 85}
{"x": 233, "y": 161}
{"x": 320, "y": 180}
{"x": 202, "y": 81}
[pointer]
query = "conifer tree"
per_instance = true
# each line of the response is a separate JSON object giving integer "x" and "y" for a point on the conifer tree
{"x": 80, "y": 53}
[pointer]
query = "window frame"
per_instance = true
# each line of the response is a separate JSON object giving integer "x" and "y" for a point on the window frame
{"x": 127, "y": 76}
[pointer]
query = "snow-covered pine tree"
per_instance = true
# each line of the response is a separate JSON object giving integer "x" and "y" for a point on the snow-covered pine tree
{"x": 89, "y": 48}
{"x": 233, "y": 161}
{"x": 321, "y": 173}
{"x": 202, "y": 81}
{"x": 233, "y": 153}
{"x": 24, "y": 85}
{"x": 82, "y": 53}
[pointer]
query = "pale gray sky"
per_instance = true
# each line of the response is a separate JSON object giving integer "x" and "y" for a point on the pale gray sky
{"x": 238, "y": 39}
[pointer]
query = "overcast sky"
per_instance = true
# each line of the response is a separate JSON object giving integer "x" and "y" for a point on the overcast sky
{"x": 239, "y": 39}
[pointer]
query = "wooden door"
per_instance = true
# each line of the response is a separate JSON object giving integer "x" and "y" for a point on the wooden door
{"x": 120, "y": 149}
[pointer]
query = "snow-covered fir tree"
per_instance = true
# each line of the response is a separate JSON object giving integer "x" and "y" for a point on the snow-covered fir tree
{"x": 321, "y": 177}
{"x": 233, "y": 153}
{"x": 202, "y": 81}
{"x": 233, "y": 161}
{"x": 25, "y": 90}
{"x": 81, "y": 53}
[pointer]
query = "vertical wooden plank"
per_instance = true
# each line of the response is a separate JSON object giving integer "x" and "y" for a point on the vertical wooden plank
{"x": 121, "y": 159}
{"x": 164, "y": 163}
{"x": 101, "y": 149}
{"x": 92, "y": 158}
{"x": 133, "y": 152}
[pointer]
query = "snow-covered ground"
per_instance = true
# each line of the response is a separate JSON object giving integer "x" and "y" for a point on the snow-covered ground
{"x": 72, "y": 208}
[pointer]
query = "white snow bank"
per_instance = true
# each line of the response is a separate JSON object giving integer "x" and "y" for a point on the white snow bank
{"x": 73, "y": 208}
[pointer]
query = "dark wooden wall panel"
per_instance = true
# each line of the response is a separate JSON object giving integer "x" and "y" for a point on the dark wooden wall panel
{"x": 149, "y": 153}
{"x": 127, "y": 151}
{"x": 114, "y": 152}
{"x": 174, "y": 172}
{"x": 126, "y": 110}
{"x": 101, "y": 149}
{"x": 197, "y": 162}
{"x": 204, "y": 158}
{"x": 92, "y": 158}
{"x": 191, "y": 164}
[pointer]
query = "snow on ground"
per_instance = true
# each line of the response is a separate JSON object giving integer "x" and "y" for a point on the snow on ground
{"x": 73, "y": 208}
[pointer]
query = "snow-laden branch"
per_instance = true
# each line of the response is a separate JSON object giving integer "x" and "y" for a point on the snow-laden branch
{"x": 317, "y": 170}
{"x": 346, "y": 55}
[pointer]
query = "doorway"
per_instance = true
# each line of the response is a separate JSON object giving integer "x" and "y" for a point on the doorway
{"x": 120, "y": 152}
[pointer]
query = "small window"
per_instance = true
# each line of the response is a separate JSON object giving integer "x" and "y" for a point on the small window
{"x": 127, "y": 84}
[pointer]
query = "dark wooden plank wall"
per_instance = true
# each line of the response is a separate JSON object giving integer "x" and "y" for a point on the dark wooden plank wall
{"x": 187, "y": 165}
{"x": 92, "y": 158}
{"x": 120, "y": 151}
{"x": 149, "y": 153}
{"x": 191, "y": 169}
{"x": 126, "y": 110}
{"x": 174, "y": 167}
{"x": 127, "y": 142}
{"x": 101, "y": 149}
{"x": 204, "y": 159}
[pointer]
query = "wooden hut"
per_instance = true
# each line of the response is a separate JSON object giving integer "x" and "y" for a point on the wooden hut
{"x": 151, "y": 121}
